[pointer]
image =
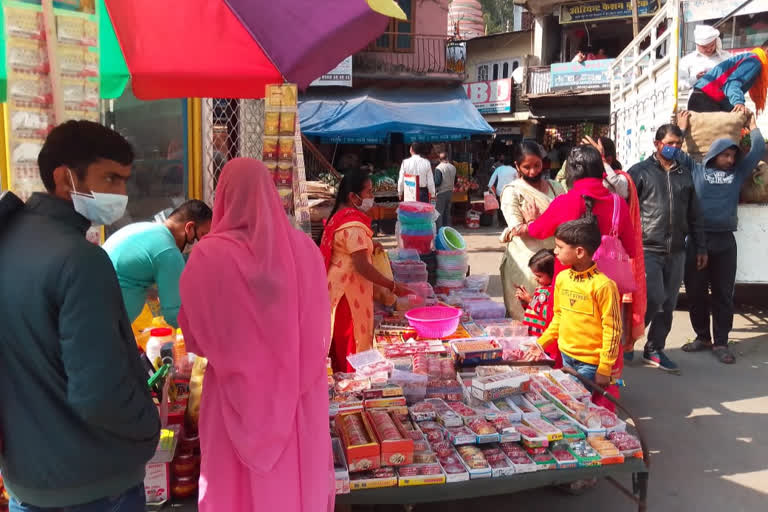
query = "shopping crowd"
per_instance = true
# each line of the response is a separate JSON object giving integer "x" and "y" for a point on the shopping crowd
{"x": 591, "y": 262}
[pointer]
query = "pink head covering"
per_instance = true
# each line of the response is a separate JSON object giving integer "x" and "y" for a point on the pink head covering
{"x": 255, "y": 303}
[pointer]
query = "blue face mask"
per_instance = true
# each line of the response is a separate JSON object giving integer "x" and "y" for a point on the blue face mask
{"x": 669, "y": 152}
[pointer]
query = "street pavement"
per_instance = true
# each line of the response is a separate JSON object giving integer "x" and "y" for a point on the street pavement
{"x": 707, "y": 427}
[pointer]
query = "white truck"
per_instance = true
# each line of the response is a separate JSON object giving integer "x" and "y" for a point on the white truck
{"x": 644, "y": 95}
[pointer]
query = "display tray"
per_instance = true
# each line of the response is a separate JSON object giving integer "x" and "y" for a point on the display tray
{"x": 486, "y": 487}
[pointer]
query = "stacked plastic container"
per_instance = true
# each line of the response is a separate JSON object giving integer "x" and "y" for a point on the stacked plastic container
{"x": 452, "y": 259}
{"x": 408, "y": 269}
{"x": 416, "y": 226}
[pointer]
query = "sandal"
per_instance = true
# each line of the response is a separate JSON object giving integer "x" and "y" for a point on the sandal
{"x": 724, "y": 355}
{"x": 697, "y": 345}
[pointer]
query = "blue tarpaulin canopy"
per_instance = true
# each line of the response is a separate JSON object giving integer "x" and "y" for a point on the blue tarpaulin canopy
{"x": 370, "y": 115}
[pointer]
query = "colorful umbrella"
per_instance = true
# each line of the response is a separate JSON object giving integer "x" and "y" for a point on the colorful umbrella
{"x": 230, "y": 48}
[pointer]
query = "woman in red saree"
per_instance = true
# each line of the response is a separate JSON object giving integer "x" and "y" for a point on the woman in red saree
{"x": 585, "y": 173}
{"x": 347, "y": 247}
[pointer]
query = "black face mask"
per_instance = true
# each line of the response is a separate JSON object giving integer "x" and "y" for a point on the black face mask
{"x": 188, "y": 243}
{"x": 534, "y": 179}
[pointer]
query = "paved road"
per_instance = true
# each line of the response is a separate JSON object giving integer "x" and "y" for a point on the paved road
{"x": 707, "y": 428}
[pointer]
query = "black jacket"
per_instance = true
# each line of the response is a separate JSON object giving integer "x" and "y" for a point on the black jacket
{"x": 668, "y": 206}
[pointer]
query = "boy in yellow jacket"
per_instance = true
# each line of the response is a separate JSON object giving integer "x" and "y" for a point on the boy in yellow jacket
{"x": 587, "y": 305}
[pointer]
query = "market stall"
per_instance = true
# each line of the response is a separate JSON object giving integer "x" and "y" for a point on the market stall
{"x": 455, "y": 401}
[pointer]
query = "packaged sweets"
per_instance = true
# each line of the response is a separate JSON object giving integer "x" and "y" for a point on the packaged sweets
{"x": 273, "y": 96}
{"x": 272, "y": 123}
{"x": 286, "y": 148}
{"x": 287, "y": 123}
{"x": 270, "y": 148}
{"x": 289, "y": 95}
{"x": 585, "y": 454}
{"x": 517, "y": 455}
{"x": 628, "y": 444}
{"x": 562, "y": 455}
{"x": 609, "y": 454}
{"x": 473, "y": 458}
{"x": 361, "y": 448}
{"x": 372, "y": 479}
{"x": 497, "y": 459}
{"x": 545, "y": 428}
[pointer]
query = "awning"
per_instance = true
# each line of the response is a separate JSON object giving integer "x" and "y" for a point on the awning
{"x": 371, "y": 115}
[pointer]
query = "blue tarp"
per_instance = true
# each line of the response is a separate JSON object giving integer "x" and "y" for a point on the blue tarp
{"x": 371, "y": 115}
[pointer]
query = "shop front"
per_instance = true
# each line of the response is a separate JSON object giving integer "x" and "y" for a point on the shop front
{"x": 376, "y": 126}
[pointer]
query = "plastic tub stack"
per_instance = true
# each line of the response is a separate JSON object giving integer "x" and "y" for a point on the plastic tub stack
{"x": 452, "y": 260}
{"x": 411, "y": 271}
{"x": 416, "y": 226}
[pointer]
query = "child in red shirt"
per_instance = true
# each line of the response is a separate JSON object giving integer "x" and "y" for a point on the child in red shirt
{"x": 538, "y": 307}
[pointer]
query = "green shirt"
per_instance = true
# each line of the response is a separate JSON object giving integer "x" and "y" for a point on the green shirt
{"x": 145, "y": 254}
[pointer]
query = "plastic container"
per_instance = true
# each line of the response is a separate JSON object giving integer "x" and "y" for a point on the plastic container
{"x": 409, "y": 278}
{"x": 158, "y": 338}
{"x": 434, "y": 322}
{"x": 480, "y": 310}
{"x": 477, "y": 282}
{"x": 422, "y": 243}
{"x": 452, "y": 275}
{"x": 452, "y": 239}
{"x": 403, "y": 255}
{"x": 415, "y": 207}
{"x": 427, "y": 229}
{"x": 422, "y": 289}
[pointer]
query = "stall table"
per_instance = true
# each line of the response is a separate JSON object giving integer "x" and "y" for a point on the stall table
{"x": 503, "y": 485}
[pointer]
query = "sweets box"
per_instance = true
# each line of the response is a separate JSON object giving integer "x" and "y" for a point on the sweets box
{"x": 492, "y": 387}
{"x": 477, "y": 351}
{"x": 364, "y": 456}
{"x": 340, "y": 467}
{"x": 420, "y": 474}
{"x": 397, "y": 452}
{"x": 385, "y": 391}
{"x": 373, "y": 479}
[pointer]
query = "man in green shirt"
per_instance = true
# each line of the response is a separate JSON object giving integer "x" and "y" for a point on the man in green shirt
{"x": 149, "y": 253}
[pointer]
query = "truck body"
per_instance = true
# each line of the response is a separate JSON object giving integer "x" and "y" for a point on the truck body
{"x": 644, "y": 96}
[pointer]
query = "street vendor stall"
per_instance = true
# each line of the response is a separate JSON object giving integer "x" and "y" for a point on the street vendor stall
{"x": 455, "y": 401}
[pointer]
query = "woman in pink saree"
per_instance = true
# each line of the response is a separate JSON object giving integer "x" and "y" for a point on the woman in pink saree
{"x": 255, "y": 303}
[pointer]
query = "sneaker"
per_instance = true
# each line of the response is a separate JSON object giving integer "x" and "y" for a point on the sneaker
{"x": 629, "y": 356}
{"x": 659, "y": 359}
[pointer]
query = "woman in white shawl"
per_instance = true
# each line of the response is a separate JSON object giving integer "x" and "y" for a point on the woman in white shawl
{"x": 533, "y": 189}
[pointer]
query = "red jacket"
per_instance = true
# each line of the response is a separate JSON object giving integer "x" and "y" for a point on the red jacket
{"x": 571, "y": 206}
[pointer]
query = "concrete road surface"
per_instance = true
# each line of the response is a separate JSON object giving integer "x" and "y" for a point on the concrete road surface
{"x": 707, "y": 427}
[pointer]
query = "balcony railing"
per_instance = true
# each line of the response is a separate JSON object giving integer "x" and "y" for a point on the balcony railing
{"x": 538, "y": 82}
{"x": 398, "y": 54}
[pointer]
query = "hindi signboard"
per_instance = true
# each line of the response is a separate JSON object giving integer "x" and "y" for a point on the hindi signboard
{"x": 589, "y": 75}
{"x": 598, "y": 11}
{"x": 340, "y": 75}
{"x": 491, "y": 96}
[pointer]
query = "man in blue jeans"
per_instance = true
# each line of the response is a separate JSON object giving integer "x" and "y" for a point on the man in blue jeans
{"x": 668, "y": 210}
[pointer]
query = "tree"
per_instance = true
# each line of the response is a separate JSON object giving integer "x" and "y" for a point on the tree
{"x": 498, "y": 15}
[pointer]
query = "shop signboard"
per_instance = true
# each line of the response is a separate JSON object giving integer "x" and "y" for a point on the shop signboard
{"x": 700, "y": 10}
{"x": 491, "y": 96}
{"x": 599, "y": 11}
{"x": 341, "y": 75}
{"x": 589, "y": 75}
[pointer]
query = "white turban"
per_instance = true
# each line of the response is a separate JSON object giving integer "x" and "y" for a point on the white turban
{"x": 704, "y": 34}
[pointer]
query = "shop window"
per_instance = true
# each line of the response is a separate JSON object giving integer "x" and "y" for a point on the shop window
{"x": 505, "y": 70}
{"x": 399, "y": 36}
{"x": 495, "y": 72}
{"x": 157, "y": 130}
{"x": 482, "y": 73}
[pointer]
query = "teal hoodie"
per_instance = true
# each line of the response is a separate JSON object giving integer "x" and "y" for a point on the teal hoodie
{"x": 77, "y": 421}
{"x": 718, "y": 190}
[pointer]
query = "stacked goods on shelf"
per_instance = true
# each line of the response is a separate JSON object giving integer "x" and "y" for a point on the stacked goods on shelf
{"x": 416, "y": 226}
{"x": 452, "y": 259}
{"x": 279, "y": 151}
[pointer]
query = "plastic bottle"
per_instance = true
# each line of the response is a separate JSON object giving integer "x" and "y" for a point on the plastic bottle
{"x": 157, "y": 338}
{"x": 180, "y": 357}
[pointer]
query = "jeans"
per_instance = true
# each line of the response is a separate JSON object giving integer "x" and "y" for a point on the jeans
{"x": 443, "y": 205}
{"x": 720, "y": 277}
{"x": 663, "y": 277}
{"x": 586, "y": 370}
{"x": 132, "y": 500}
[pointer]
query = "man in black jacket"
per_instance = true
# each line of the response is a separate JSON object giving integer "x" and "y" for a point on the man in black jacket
{"x": 77, "y": 420}
{"x": 668, "y": 207}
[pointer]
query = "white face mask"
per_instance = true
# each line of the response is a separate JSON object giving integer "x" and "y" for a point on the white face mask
{"x": 366, "y": 205}
{"x": 100, "y": 209}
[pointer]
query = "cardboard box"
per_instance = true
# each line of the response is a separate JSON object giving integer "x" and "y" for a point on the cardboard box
{"x": 501, "y": 385}
{"x": 419, "y": 479}
{"x": 397, "y": 452}
{"x": 386, "y": 391}
{"x": 372, "y": 480}
{"x": 157, "y": 483}
{"x": 378, "y": 403}
{"x": 360, "y": 457}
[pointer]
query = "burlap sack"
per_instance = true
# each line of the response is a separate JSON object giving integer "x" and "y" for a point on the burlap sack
{"x": 755, "y": 189}
{"x": 707, "y": 127}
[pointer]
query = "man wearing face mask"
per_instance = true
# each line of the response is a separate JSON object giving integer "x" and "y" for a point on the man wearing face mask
{"x": 149, "y": 253}
{"x": 668, "y": 210}
{"x": 71, "y": 371}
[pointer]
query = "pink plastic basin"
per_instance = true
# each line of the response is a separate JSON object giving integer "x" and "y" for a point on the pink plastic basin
{"x": 434, "y": 322}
